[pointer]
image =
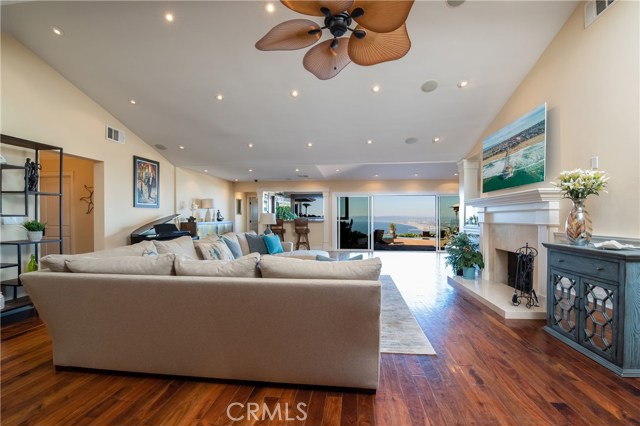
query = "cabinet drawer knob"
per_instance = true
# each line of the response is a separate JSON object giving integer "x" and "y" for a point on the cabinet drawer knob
{"x": 599, "y": 268}
{"x": 560, "y": 260}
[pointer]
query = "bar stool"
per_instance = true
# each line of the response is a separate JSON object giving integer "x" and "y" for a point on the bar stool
{"x": 301, "y": 226}
{"x": 278, "y": 229}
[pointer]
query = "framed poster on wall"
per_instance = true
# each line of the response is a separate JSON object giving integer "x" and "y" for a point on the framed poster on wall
{"x": 146, "y": 183}
{"x": 515, "y": 155}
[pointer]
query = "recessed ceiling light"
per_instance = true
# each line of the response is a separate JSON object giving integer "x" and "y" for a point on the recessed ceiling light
{"x": 250, "y": 170}
{"x": 337, "y": 170}
{"x": 295, "y": 93}
{"x": 270, "y": 7}
{"x": 429, "y": 86}
{"x": 132, "y": 101}
{"x": 463, "y": 83}
{"x": 297, "y": 170}
{"x": 169, "y": 17}
{"x": 375, "y": 89}
{"x": 206, "y": 171}
{"x": 219, "y": 96}
{"x": 57, "y": 31}
{"x": 376, "y": 175}
{"x": 250, "y": 145}
{"x": 411, "y": 140}
{"x": 436, "y": 140}
{"x": 181, "y": 147}
{"x": 369, "y": 142}
{"x": 235, "y": 180}
{"x": 310, "y": 144}
{"x": 416, "y": 175}
{"x": 455, "y": 174}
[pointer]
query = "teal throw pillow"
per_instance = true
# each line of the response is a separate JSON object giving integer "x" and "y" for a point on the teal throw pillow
{"x": 256, "y": 244}
{"x": 273, "y": 244}
{"x": 233, "y": 246}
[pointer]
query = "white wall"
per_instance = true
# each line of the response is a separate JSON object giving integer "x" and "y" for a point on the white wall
{"x": 192, "y": 185}
{"x": 589, "y": 78}
{"x": 40, "y": 105}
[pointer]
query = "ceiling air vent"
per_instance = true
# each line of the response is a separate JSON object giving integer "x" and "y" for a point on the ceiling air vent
{"x": 114, "y": 135}
{"x": 594, "y": 8}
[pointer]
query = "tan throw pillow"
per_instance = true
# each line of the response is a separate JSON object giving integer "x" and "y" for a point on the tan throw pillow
{"x": 204, "y": 241}
{"x": 56, "y": 262}
{"x": 179, "y": 246}
{"x": 216, "y": 250}
{"x": 286, "y": 267}
{"x": 130, "y": 265}
{"x": 243, "y": 267}
{"x": 244, "y": 244}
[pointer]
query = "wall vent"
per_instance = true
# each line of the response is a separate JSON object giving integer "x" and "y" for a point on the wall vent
{"x": 114, "y": 135}
{"x": 594, "y": 9}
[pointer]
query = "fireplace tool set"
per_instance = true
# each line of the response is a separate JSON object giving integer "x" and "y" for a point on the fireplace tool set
{"x": 523, "y": 288}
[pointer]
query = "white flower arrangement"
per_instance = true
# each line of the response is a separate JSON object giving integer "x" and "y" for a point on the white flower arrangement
{"x": 579, "y": 183}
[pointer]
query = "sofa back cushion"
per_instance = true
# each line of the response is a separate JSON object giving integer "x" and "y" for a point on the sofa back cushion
{"x": 179, "y": 246}
{"x": 287, "y": 267}
{"x": 243, "y": 267}
{"x": 130, "y": 265}
{"x": 56, "y": 262}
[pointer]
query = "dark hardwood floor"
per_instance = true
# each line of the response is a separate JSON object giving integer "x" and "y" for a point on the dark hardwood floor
{"x": 488, "y": 371}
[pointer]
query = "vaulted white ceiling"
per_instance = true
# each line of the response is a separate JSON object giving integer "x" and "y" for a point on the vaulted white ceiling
{"x": 117, "y": 51}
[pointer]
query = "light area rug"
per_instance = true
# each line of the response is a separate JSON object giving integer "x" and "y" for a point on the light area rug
{"x": 400, "y": 333}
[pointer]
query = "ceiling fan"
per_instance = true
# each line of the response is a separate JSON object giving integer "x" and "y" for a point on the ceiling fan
{"x": 380, "y": 35}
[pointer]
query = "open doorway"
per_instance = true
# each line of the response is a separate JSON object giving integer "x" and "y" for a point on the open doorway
{"x": 77, "y": 205}
{"x": 413, "y": 222}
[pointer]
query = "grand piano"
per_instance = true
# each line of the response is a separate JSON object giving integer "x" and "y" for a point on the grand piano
{"x": 158, "y": 230}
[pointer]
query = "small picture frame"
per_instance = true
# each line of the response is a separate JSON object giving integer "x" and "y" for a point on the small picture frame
{"x": 146, "y": 183}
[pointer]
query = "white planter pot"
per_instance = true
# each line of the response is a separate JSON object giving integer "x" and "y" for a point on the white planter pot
{"x": 34, "y": 235}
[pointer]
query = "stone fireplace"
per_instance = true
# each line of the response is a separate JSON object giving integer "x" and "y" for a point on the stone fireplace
{"x": 506, "y": 223}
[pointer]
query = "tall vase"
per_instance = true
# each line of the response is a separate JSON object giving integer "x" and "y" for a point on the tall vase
{"x": 578, "y": 226}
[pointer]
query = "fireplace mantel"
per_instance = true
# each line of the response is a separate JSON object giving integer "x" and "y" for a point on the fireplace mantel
{"x": 529, "y": 196}
{"x": 508, "y": 221}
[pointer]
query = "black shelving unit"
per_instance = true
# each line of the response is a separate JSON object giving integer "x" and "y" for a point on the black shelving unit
{"x": 19, "y": 304}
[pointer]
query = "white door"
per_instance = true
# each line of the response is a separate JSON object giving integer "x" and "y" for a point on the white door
{"x": 50, "y": 213}
{"x": 253, "y": 214}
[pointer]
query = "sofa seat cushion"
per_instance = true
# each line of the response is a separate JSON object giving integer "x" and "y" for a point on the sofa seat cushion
{"x": 130, "y": 265}
{"x": 56, "y": 262}
{"x": 179, "y": 246}
{"x": 243, "y": 267}
{"x": 286, "y": 267}
{"x": 304, "y": 254}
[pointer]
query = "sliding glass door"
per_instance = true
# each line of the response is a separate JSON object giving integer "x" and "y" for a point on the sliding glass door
{"x": 354, "y": 223}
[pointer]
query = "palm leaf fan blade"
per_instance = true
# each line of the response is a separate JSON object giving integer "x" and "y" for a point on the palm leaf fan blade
{"x": 290, "y": 35}
{"x": 375, "y": 48}
{"x": 312, "y": 8}
{"x": 382, "y": 16}
{"x": 325, "y": 62}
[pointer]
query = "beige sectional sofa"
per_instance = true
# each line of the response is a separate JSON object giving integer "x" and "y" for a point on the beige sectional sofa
{"x": 308, "y": 322}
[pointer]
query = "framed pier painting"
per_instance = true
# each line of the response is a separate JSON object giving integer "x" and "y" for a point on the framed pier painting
{"x": 146, "y": 183}
{"x": 515, "y": 155}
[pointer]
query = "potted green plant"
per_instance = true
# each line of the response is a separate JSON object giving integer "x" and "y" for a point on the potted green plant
{"x": 35, "y": 229}
{"x": 463, "y": 255}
